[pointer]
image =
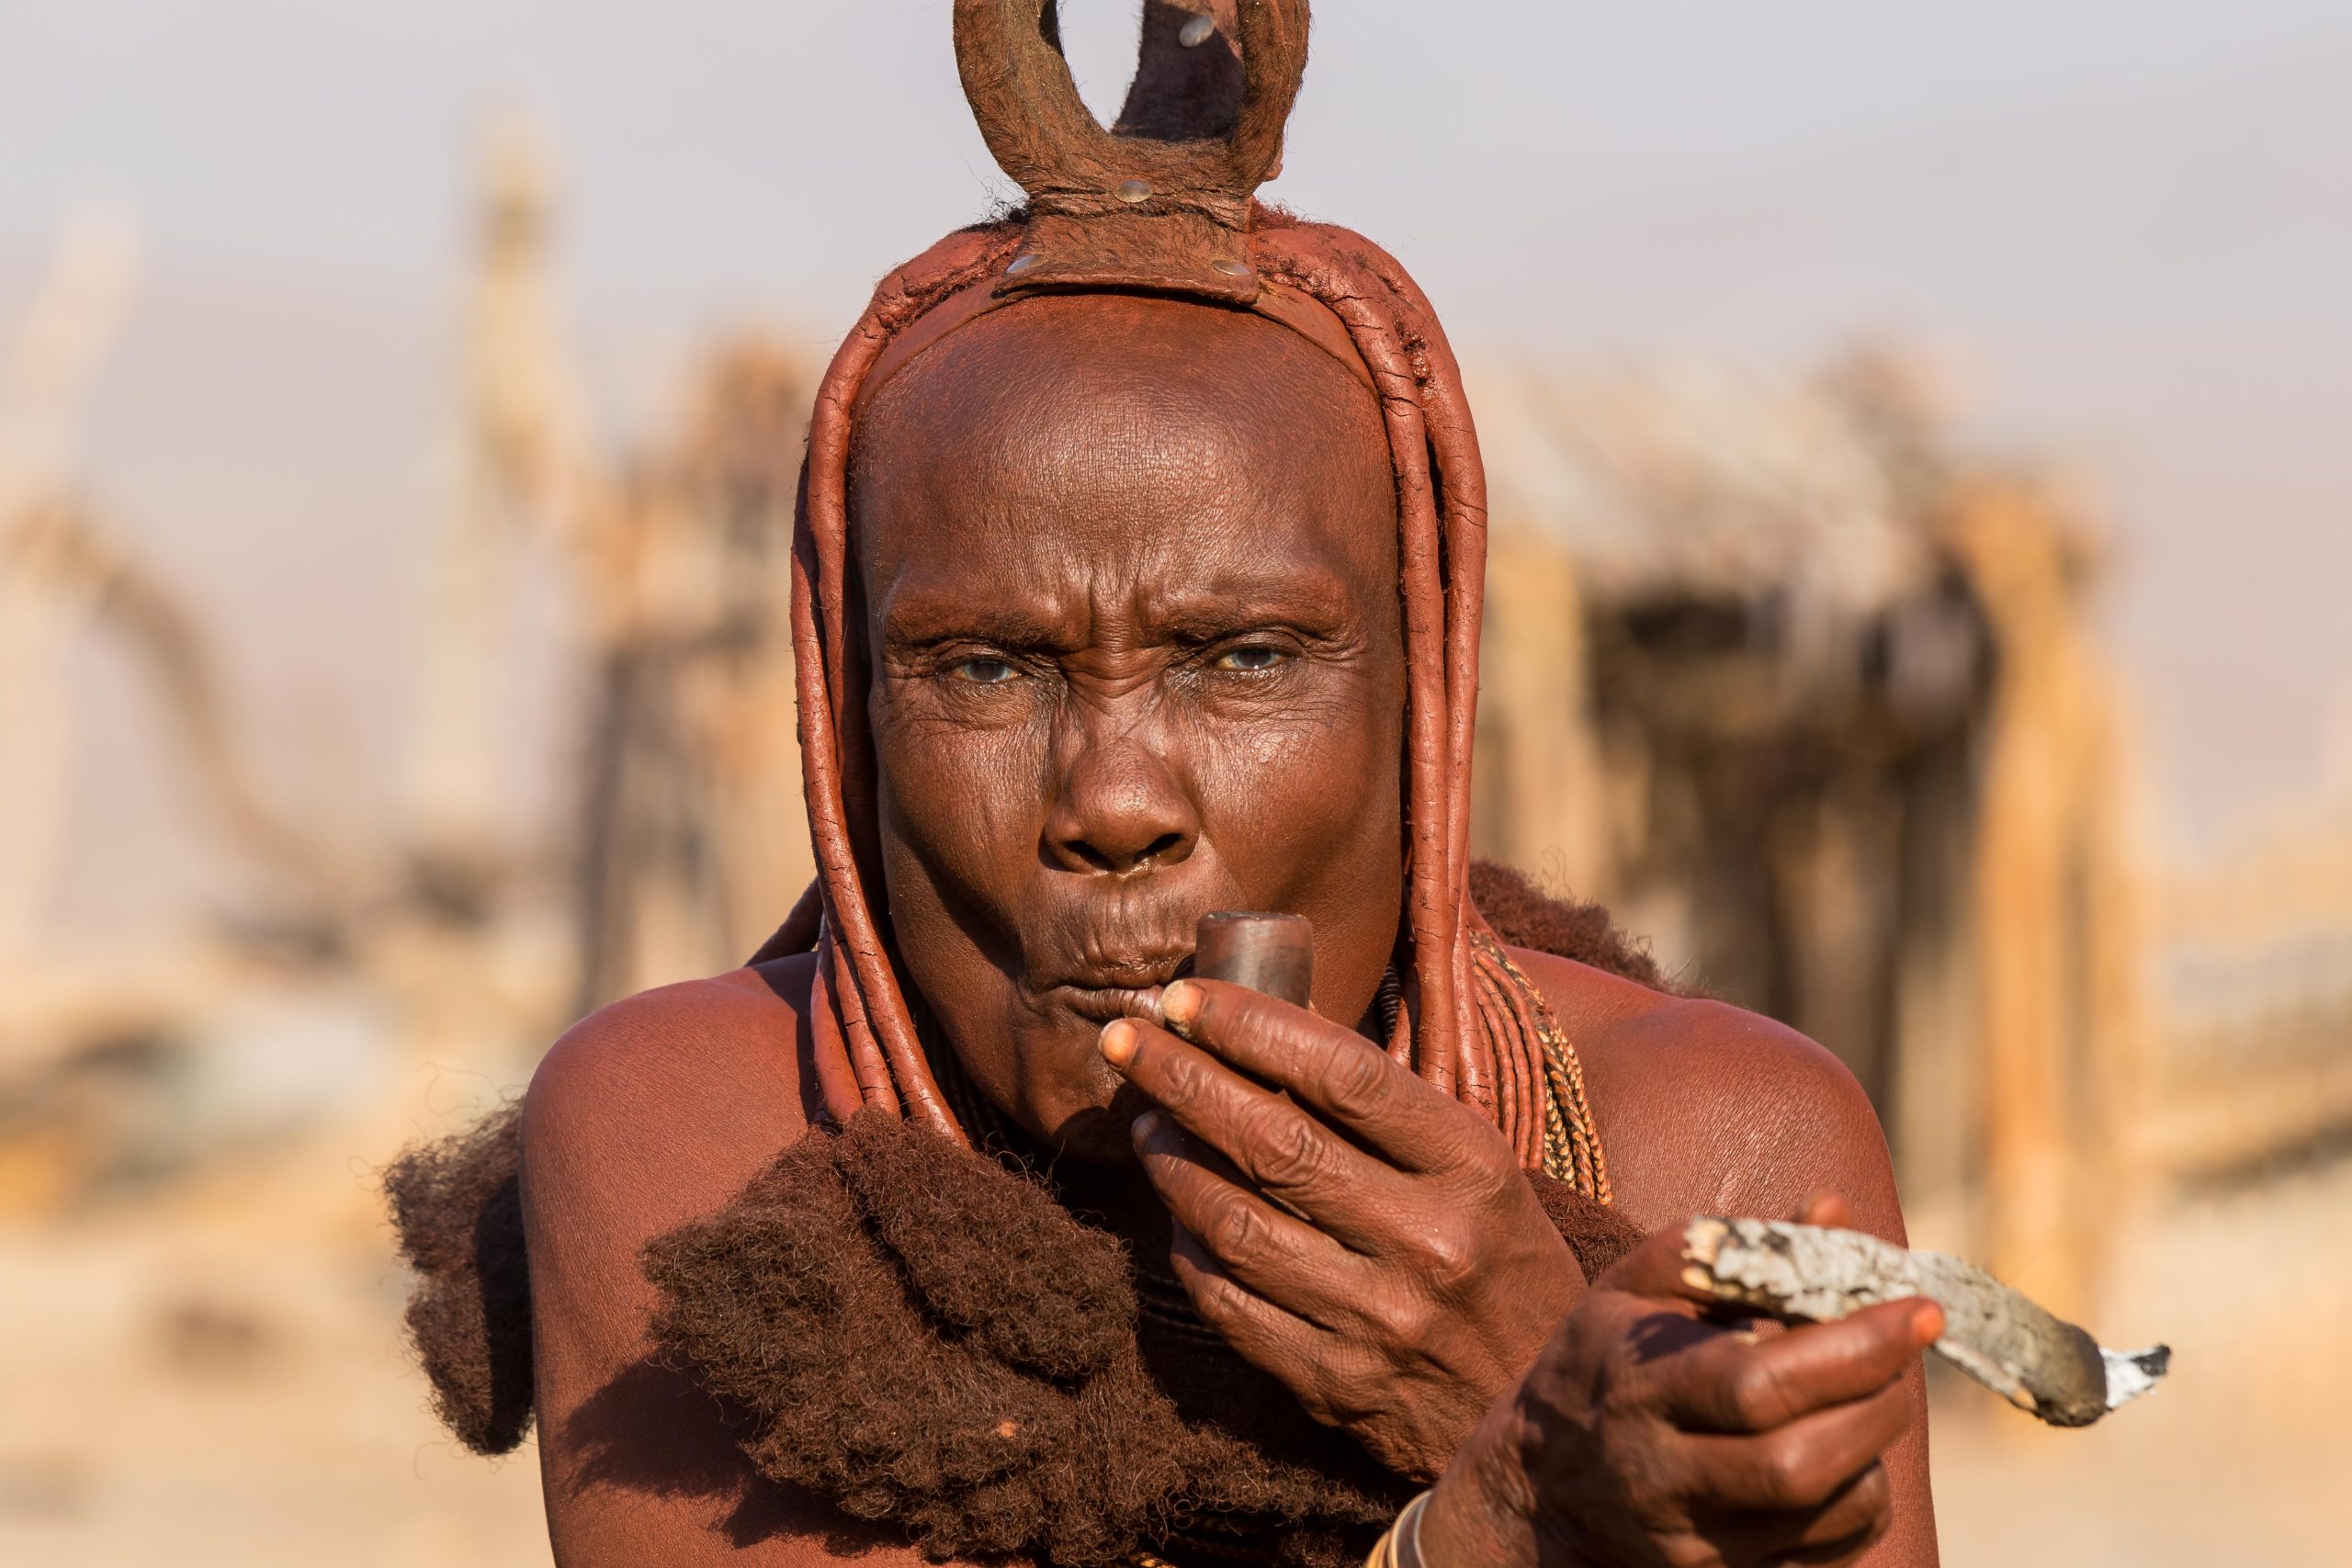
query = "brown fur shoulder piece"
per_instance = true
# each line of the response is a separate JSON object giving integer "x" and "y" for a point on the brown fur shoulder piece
{"x": 925, "y": 1336}
{"x": 919, "y": 1334}
{"x": 1523, "y": 915}
{"x": 458, "y": 1209}
{"x": 922, "y": 1336}
{"x": 1598, "y": 1233}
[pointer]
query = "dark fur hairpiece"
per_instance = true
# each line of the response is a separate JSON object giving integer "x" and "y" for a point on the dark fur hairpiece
{"x": 457, "y": 1208}
{"x": 1525, "y": 916}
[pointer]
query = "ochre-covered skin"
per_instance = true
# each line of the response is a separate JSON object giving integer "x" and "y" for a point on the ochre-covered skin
{"x": 867, "y": 1050}
{"x": 1053, "y": 832}
{"x": 1033, "y": 818}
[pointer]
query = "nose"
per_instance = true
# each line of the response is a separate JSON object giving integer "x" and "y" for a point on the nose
{"x": 1122, "y": 809}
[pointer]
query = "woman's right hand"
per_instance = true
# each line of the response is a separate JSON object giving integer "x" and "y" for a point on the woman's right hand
{"x": 1647, "y": 1434}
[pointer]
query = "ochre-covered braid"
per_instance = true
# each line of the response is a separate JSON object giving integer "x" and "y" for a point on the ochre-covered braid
{"x": 1479, "y": 1030}
{"x": 1570, "y": 1148}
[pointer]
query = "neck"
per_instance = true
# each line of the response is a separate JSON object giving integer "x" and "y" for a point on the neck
{"x": 1121, "y": 1200}
{"x": 1113, "y": 1194}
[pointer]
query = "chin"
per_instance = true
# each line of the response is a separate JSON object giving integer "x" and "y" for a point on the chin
{"x": 1086, "y": 1115}
{"x": 1097, "y": 1135}
{"x": 1038, "y": 1061}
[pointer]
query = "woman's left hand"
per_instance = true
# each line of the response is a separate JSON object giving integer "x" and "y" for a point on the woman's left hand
{"x": 1382, "y": 1256}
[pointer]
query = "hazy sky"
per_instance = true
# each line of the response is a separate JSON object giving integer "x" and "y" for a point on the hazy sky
{"x": 709, "y": 139}
{"x": 2128, "y": 221}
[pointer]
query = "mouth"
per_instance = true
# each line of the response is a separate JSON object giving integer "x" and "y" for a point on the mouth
{"x": 1127, "y": 989}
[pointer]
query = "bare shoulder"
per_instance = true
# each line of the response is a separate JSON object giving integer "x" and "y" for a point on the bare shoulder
{"x": 1706, "y": 1108}
{"x": 648, "y": 1114}
{"x": 666, "y": 1102}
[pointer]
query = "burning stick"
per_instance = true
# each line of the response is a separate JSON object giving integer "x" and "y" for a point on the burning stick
{"x": 2040, "y": 1363}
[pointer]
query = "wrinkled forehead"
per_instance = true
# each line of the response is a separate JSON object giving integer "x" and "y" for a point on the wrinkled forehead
{"x": 1117, "y": 434}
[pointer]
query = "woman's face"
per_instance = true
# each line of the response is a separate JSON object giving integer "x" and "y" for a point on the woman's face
{"x": 1130, "y": 586}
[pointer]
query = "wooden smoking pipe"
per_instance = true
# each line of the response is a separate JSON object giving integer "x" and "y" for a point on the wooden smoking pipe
{"x": 1273, "y": 954}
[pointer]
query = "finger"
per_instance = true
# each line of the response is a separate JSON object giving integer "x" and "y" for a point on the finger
{"x": 1261, "y": 1331}
{"x": 1732, "y": 1384}
{"x": 1828, "y": 1208}
{"x": 1339, "y": 1072}
{"x": 1289, "y": 1263}
{"x": 1855, "y": 1516}
{"x": 1276, "y": 1146}
{"x": 1655, "y": 1268}
{"x": 1801, "y": 1465}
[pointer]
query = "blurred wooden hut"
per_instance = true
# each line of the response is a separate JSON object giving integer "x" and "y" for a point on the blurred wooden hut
{"x": 487, "y": 915}
{"x": 2253, "y": 982}
{"x": 1807, "y": 697}
{"x": 683, "y": 842}
{"x": 696, "y": 844}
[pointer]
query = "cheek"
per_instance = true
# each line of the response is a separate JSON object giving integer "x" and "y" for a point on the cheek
{"x": 966, "y": 802}
{"x": 1300, "y": 802}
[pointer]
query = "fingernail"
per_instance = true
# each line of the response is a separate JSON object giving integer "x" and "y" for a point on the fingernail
{"x": 1145, "y": 1127}
{"x": 1118, "y": 1043}
{"x": 1927, "y": 1325}
{"x": 1180, "y": 1003}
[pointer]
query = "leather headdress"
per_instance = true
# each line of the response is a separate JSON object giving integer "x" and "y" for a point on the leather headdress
{"x": 1164, "y": 203}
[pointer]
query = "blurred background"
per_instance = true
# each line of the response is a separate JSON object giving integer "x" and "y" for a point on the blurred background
{"x": 1922, "y": 506}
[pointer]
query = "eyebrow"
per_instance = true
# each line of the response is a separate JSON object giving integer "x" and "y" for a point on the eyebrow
{"x": 1310, "y": 602}
{"x": 945, "y": 617}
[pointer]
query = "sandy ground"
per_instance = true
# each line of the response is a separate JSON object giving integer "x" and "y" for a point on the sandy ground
{"x": 2244, "y": 1454}
{"x": 215, "y": 1377}
{"x": 218, "y": 1379}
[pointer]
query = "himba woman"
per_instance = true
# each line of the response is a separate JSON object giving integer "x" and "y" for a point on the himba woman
{"x": 1137, "y": 576}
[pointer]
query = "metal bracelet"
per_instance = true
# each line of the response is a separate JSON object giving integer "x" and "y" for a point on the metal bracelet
{"x": 1405, "y": 1535}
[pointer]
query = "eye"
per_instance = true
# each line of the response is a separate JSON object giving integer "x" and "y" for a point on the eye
{"x": 984, "y": 672}
{"x": 1250, "y": 658}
